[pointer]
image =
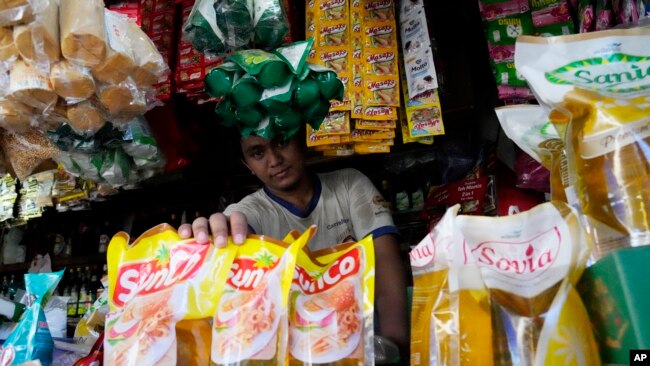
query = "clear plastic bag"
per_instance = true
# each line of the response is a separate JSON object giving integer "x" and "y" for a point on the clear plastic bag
{"x": 235, "y": 19}
{"x": 270, "y": 22}
{"x": 26, "y": 151}
{"x": 72, "y": 82}
{"x": 16, "y": 12}
{"x": 38, "y": 41}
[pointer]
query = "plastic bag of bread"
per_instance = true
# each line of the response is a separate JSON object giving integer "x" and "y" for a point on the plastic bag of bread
{"x": 150, "y": 65}
{"x": 72, "y": 82}
{"x": 83, "y": 32}
{"x": 15, "y": 116}
{"x": 86, "y": 117}
{"x": 31, "y": 86}
{"x": 38, "y": 41}
{"x": 14, "y": 12}
{"x": 58, "y": 115}
{"x": 26, "y": 151}
{"x": 119, "y": 62}
{"x": 8, "y": 50}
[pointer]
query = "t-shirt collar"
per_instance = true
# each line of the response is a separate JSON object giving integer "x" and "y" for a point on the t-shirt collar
{"x": 295, "y": 210}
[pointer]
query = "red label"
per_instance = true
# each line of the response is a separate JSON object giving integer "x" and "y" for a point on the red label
{"x": 378, "y": 4}
{"x": 246, "y": 275}
{"x": 333, "y": 29}
{"x": 386, "y": 84}
{"x": 520, "y": 258}
{"x": 144, "y": 278}
{"x": 346, "y": 266}
{"x": 328, "y": 56}
{"x": 460, "y": 191}
{"x": 422, "y": 255}
{"x": 378, "y": 111}
{"x": 332, "y": 4}
{"x": 381, "y": 57}
{"x": 384, "y": 29}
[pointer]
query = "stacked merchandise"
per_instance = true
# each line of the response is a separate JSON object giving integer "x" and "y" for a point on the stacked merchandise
{"x": 597, "y": 15}
{"x": 157, "y": 18}
{"x": 504, "y": 22}
{"x": 74, "y": 76}
{"x": 422, "y": 117}
{"x": 359, "y": 41}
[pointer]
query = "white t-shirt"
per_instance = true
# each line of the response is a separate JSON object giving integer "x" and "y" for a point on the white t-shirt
{"x": 346, "y": 206}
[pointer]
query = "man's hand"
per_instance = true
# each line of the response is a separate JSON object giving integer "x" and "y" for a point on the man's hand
{"x": 218, "y": 225}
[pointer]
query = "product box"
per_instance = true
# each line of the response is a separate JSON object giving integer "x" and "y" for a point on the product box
{"x": 615, "y": 291}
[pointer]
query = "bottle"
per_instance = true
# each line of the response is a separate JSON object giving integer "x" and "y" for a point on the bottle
{"x": 104, "y": 238}
{"x": 4, "y": 287}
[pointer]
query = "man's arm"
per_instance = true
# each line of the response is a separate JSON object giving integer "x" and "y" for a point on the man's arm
{"x": 390, "y": 292}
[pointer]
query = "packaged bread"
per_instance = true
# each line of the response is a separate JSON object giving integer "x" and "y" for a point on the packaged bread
{"x": 32, "y": 86}
{"x": 38, "y": 41}
{"x": 86, "y": 117}
{"x": 58, "y": 115}
{"x": 8, "y": 51}
{"x": 15, "y": 116}
{"x": 72, "y": 82}
{"x": 83, "y": 33}
{"x": 150, "y": 66}
{"x": 119, "y": 62}
{"x": 14, "y": 12}
{"x": 116, "y": 97}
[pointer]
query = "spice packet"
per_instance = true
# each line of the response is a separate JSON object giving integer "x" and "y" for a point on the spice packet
{"x": 379, "y": 35}
{"x": 30, "y": 339}
{"x": 379, "y": 113}
{"x": 363, "y": 124}
{"x": 372, "y": 135}
{"x": 381, "y": 91}
{"x": 506, "y": 74}
{"x": 504, "y": 31}
{"x": 599, "y": 100}
{"x": 333, "y": 9}
{"x": 530, "y": 262}
{"x": 371, "y": 148}
{"x": 424, "y": 116}
{"x": 381, "y": 61}
{"x": 250, "y": 324}
{"x": 314, "y": 139}
{"x": 378, "y": 10}
{"x": 267, "y": 68}
{"x": 335, "y": 58}
{"x": 491, "y": 10}
{"x": 335, "y": 123}
{"x": 155, "y": 283}
{"x": 334, "y": 33}
{"x": 406, "y": 138}
{"x": 339, "y": 152}
{"x": 332, "y": 305}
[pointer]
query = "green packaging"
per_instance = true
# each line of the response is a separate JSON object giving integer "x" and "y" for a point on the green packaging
{"x": 276, "y": 100}
{"x": 315, "y": 114}
{"x": 201, "y": 28}
{"x": 506, "y": 74}
{"x": 269, "y": 70}
{"x": 235, "y": 19}
{"x": 504, "y": 31}
{"x": 295, "y": 55}
{"x": 251, "y": 116}
{"x": 219, "y": 81}
{"x": 288, "y": 121}
{"x": 246, "y": 92}
{"x": 271, "y": 24}
{"x": 615, "y": 292}
{"x": 307, "y": 93}
{"x": 226, "y": 112}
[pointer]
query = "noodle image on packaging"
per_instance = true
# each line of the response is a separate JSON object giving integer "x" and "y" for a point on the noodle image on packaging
{"x": 250, "y": 324}
{"x": 155, "y": 283}
{"x": 331, "y": 305}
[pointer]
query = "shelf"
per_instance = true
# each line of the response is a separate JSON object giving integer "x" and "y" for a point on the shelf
{"x": 56, "y": 264}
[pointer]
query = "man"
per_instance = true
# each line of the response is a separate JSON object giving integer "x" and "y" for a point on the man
{"x": 343, "y": 204}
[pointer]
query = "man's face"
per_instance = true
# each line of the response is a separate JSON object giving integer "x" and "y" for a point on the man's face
{"x": 279, "y": 164}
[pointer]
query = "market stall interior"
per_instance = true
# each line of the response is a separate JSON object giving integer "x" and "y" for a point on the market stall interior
{"x": 132, "y": 116}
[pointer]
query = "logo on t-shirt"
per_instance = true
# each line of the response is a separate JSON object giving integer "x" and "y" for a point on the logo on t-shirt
{"x": 380, "y": 205}
{"x": 338, "y": 223}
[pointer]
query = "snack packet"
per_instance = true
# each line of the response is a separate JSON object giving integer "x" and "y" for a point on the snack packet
{"x": 235, "y": 19}
{"x": 530, "y": 262}
{"x": 381, "y": 91}
{"x": 362, "y": 124}
{"x": 334, "y": 33}
{"x": 270, "y": 22}
{"x": 90, "y": 327}
{"x": 331, "y": 305}
{"x": 372, "y": 147}
{"x": 599, "y": 94}
{"x": 30, "y": 338}
{"x": 250, "y": 323}
{"x": 377, "y": 10}
{"x": 155, "y": 283}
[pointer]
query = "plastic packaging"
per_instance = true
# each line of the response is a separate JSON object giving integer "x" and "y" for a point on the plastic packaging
{"x": 183, "y": 278}
{"x": 600, "y": 107}
{"x": 331, "y": 298}
{"x": 15, "y": 116}
{"x": 235, "y": 19}
{"x": 150, "y": 65}
{"x": 140, "y": 144}
{"x": 72, "y": 82}
{"x": 31, "y": 338}
{"x": 31, "y": 86}
{"x": 8, "y": 50}
{"x": 15, "y": 12}
{"x": 530, "y": 263}
{"x": 38, "y": 41}
{"x": 86, "y": 118}
{"x": 270, "y": 22}
{"x": 26, "y": 151}
{"x": 83, "y": 31}
{"x": 201, "y": 29}
{"x": 120, "y": 60}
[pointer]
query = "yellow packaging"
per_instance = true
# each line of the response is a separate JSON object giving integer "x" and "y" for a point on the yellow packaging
{"x": 424, "y": 115}
{"x": 332, "y": 297}
{"x": 356, "y": 100}
{"x": 332, "y": 10}
{"x": 381, "y": 91}
{"x": 335, "y": 123}
{"x": 154, "y": 283}
{"x": 341, "y": 146}
{"x": 345, "y": 104}
{"x": 378, "y": 10}
{"x": 406, "y": 138}
{"x": 381, "y": 61}
{"x": 346, "y": 139}
{"x": 363, "y": 124}
{"x": 336, "y": 58}
{"x": 434, "y": 322}
{"x": 371, "y": 148}
{"x": 314, "y": 139}
{"x": 371, "y": 135}
{"x": 379, "y": 113}
{"x": 379, "y": 35}
{"x": 333, "y": 33}
{"x": 250, "y": 322}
